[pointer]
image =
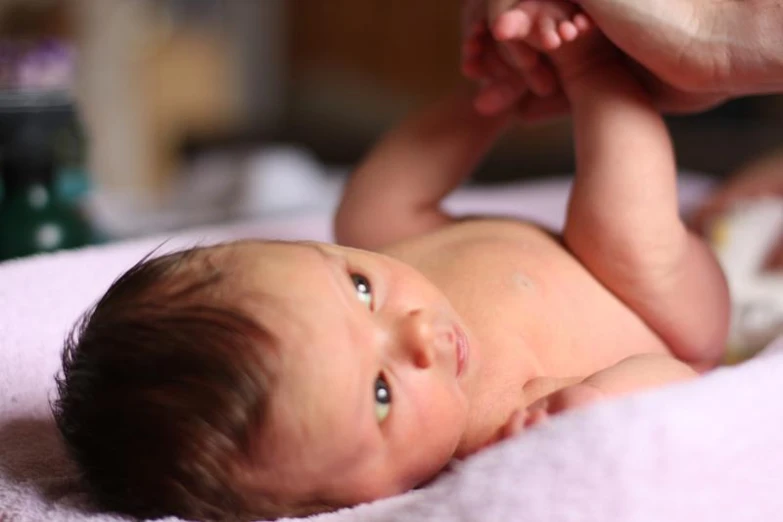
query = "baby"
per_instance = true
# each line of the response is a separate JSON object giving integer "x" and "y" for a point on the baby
{"x": 261, "y": 379}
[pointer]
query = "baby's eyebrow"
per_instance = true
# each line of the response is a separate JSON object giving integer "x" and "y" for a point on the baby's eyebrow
{"x": 331, "y": 262}
{"x": 320, "y": 251}
{"x": 313, "y": 247}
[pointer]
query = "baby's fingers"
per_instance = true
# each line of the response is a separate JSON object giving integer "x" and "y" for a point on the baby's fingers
{"x": 494, "y": 64}
{"x": 486, "y": 65}
{"x": 514, "y": 424}
{"x": 474, "y": 48}
{"x": 510, "y": 30}
{"x": 480, "y": 57}
{"x": 497, "y": 97}
{"x": 531, "y": 109}
{"x": 536, "y": 417}
{"x": 538, "y": 73}
{"x": 519, "y": 55}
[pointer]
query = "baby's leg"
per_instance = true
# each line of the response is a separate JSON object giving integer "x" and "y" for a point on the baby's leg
{"x": 563, "y": 33}
{"x": 623, "y": 219}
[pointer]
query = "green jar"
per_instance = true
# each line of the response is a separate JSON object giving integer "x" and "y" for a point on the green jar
{"x": 33, "y": 216}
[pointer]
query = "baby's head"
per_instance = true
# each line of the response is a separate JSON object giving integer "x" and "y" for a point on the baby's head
{"x": 261, "y": 379}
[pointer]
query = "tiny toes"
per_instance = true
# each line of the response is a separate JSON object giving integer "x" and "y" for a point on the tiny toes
{"x": 582, "y": 22}
{"x": 512, "y": 25}
{"x": 568, "y": 31}
{"x": 550, "y": 40}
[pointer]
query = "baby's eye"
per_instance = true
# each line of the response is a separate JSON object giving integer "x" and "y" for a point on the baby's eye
{"x": 363, "y": 289}
{"x": 382, "y": 398}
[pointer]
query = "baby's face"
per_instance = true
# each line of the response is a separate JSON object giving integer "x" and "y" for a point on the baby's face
{"x": 370, "y": 399}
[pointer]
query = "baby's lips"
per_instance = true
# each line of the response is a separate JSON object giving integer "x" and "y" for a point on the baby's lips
{"x": 461, "y": 349}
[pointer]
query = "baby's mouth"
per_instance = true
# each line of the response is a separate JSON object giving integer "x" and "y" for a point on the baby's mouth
{"x": 462, "y": 349}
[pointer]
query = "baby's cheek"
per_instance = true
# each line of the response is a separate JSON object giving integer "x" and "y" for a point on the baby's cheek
{"x": 447, "y": 420}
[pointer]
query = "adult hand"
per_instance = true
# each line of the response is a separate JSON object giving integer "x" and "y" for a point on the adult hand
{"x": 693, "y": 54}
{"x": 690, "y": 54}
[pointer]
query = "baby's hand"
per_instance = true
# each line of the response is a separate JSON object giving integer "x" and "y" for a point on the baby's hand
{"x": 572, "y": 396}
{"x": 502, "y": 85}
{"x": 568, "y": 398}
{"x": 513, "y": 67}
{"x": 506, "y": 54}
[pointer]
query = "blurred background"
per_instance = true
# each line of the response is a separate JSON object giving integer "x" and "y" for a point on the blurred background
{"x": 127, "y": 117}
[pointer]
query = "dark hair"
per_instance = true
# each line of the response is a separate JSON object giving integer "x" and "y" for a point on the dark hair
{"x": 163, "y": 393}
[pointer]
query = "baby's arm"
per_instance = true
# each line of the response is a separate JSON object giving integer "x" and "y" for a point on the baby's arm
{"x": 547, "y": 396}
{"x": 636, "y": 373}
{"x": 640, "y": 372}
{"x": 623, "y": 219}
{"x": 396, "y": 191}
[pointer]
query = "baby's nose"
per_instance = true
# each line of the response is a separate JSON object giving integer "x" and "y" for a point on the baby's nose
{"x": 420, "y": 336}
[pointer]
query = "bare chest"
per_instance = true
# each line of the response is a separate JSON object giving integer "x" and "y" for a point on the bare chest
{"x": 534, "y": 309}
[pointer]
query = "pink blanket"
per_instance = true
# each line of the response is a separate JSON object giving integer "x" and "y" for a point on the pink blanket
{"x": 705, "y": 450}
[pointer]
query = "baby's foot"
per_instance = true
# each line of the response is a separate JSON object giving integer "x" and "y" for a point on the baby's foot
{"x": 559, "y": 29}
{"x": 544, "y": 24}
